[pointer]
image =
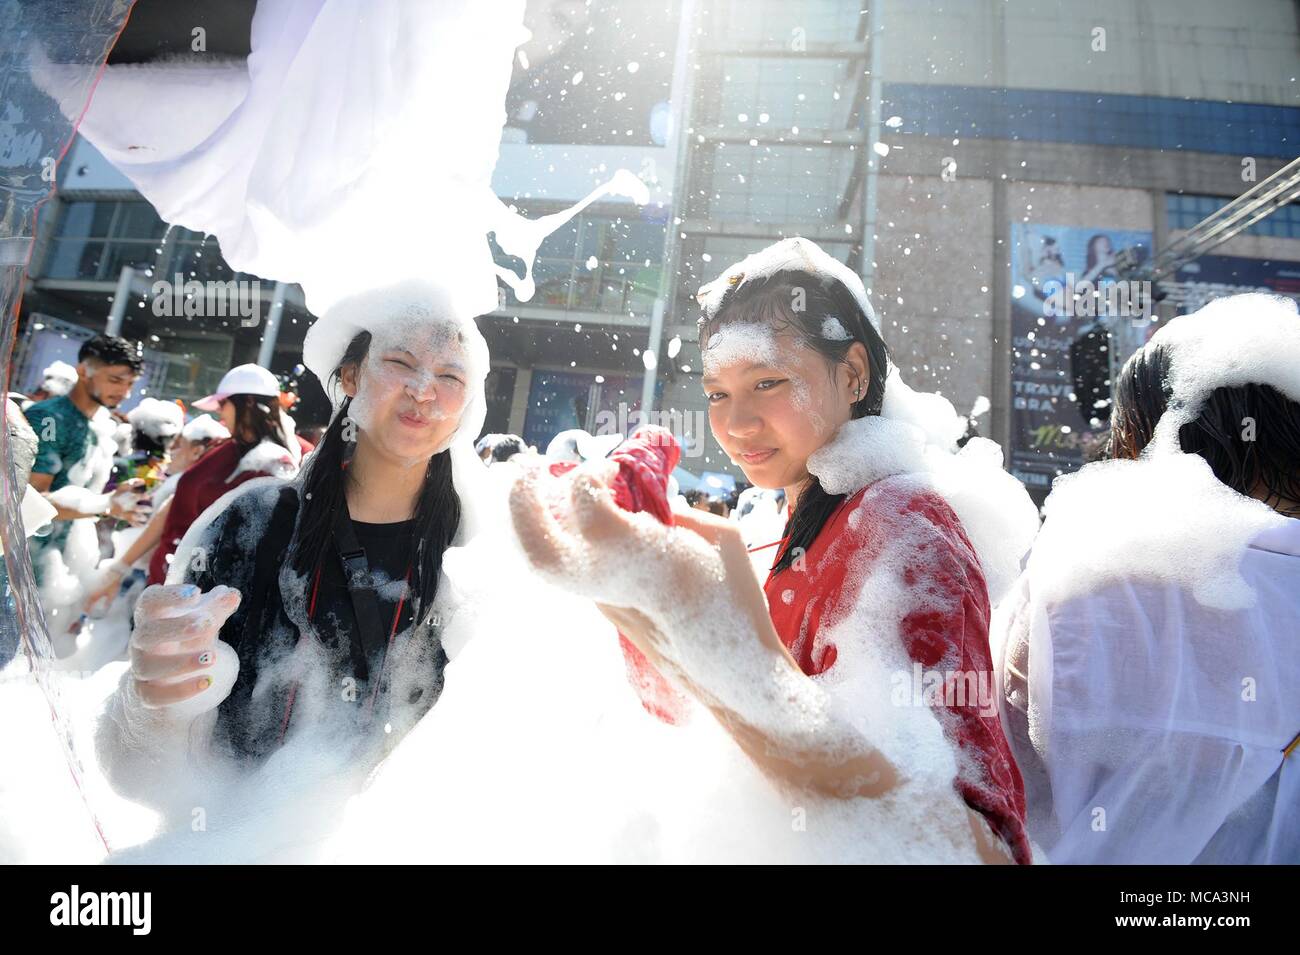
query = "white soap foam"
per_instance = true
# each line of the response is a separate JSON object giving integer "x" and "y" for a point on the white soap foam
{"x": 793, "y": 254}
{"x": 205, "y": 428}
{"x": 1165, "y": 517}
{"x": 916, "y": 434}
{"x": 1236, "y": 340}
{"x": 156, "y": 418}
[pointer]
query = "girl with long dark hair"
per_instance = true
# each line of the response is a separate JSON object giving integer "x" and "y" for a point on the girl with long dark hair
{"x": 874, "y": 578}
{"x": 1147, "y": 656}
{"x": 312, "y": 603}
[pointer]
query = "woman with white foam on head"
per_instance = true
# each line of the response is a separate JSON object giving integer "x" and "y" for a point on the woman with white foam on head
{"x": 875, "y": 574}
{"x": 1148, "y": 656}
{"x": 310, "y": 605}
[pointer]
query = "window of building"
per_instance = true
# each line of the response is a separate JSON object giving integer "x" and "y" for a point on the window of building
{"x": 774, "y": 183}
{"x": 95, "y": 239}
{"x": 780, "y": 94}
{"x": 779, "y": 24}
{"x": 1185, "y": 210}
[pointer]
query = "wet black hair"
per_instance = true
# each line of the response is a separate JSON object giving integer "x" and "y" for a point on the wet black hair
{"x": 1248, "y": 434}
{"x": 111, "y": 350}
{"x": 770, "y": 300}
{"x": 437, "y": 512}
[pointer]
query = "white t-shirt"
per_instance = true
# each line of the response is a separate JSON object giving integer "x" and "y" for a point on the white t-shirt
{"x": 1150, "y": 728}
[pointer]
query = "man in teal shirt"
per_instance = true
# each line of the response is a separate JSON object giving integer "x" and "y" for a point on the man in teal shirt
{"x": 69, "y": 435}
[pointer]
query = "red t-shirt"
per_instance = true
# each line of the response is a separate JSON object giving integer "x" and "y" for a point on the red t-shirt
{"x": 202, "y": 484}
{"x": 947, "y": 633}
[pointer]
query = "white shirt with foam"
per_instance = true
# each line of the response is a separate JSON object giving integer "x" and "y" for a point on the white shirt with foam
{"x": 1151, "y": 728}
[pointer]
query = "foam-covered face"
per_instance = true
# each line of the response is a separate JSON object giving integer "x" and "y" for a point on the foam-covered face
{"x": 110, "y": 385}
{"x": 409, "y": 392}
{"x": 773, "y": 401}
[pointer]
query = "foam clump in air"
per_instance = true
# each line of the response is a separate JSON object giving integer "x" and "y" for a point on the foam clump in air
{"x": 58, "y": 378}
{"x": 296, "y": 157}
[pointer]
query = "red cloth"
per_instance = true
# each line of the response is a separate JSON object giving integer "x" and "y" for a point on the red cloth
{"x": 949, "y": 633}
{"x": 645, "y": 462}
{"x": 199, "y": 487}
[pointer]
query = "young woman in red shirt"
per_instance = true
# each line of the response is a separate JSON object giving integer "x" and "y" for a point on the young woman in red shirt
{"x": 874, "y": 578}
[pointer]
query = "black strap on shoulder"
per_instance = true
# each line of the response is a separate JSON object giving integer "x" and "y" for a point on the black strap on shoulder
{"x": 361, "y": 587}
{"x": 265, "y": 575}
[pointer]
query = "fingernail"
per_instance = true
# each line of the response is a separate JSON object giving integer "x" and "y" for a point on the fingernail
{"x": 205, "y": 658}
{"x": 189, "y": 590}
{"x": 205, "y": 683}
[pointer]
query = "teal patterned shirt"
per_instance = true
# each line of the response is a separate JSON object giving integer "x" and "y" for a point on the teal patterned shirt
{"x": 64, "y": 437}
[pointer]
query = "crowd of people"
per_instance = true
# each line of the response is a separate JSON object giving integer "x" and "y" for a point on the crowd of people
{"x": 878, "y": 528}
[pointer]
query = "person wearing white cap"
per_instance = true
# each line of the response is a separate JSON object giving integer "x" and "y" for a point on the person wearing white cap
{"x": 336, "y": 570}
{"x": 249, "y": 379}
{"x": 1147, "y": 655}
{"x": 262, "y": 443}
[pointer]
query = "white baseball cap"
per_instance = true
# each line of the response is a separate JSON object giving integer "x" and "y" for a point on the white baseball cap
{"x": 247, "y": 379}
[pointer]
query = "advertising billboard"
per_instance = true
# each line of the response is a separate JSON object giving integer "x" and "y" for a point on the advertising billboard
{"x": 1069, "y": 307}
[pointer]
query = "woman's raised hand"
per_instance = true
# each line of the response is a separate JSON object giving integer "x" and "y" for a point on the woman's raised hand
{"x": 174, "y": 647}
{"x": 688, "y": 598}
{"x": 575, "y": 534}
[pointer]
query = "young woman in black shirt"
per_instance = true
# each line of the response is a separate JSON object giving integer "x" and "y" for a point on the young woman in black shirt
{"x": 311, "y": 603}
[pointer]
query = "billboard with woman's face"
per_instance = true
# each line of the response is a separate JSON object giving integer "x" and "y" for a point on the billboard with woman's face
{"x": 1069, "y": 306}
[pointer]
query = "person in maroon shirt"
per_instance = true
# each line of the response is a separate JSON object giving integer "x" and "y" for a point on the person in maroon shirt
{"x": 262, "y": 444}
{"x": 791, "y": 358}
